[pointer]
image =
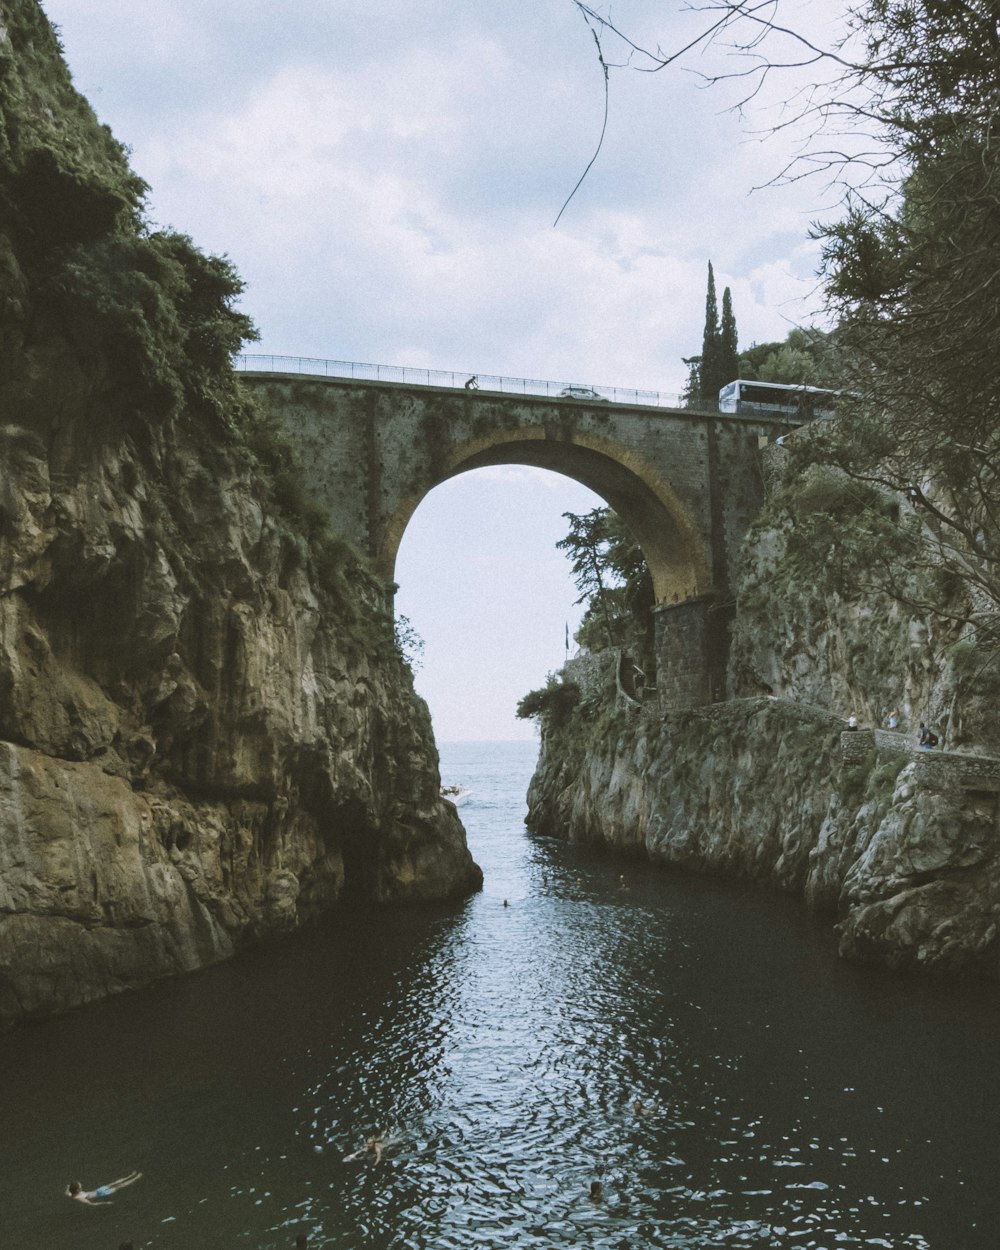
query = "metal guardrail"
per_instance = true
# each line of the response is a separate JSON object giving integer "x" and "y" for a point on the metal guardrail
{"x": 410, "y": 375}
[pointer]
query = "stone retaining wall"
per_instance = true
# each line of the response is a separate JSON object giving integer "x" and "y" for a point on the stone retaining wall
{"x": 590, "y": 670}
{"x": 936, "y": 770}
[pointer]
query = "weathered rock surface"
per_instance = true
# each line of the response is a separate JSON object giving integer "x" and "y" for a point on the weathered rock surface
{"x": 900, "y": 846}
{"x": 195, "y": 751}
{"x": 897, "y": 850}
{"x": 207, "y": 735}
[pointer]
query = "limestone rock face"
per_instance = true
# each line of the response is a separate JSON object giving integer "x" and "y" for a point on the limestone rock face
{"x": 857, "y": 652}
{"x": 900, "y": 846}
{"x": 207, "y": 734}
{"x": 196, "y": 749}
{"x": 902, "y": 854}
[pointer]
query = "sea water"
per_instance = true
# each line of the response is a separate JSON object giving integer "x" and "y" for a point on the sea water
{"x": 499, "y": 1047}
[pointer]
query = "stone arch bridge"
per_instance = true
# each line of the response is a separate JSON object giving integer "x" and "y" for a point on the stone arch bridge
{"x": 687, "y": 483}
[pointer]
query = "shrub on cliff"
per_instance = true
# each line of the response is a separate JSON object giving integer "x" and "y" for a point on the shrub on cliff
{"x": 147, "y": 320}
{"x": 159, "y": 313}
{"x": 552, "y": 704}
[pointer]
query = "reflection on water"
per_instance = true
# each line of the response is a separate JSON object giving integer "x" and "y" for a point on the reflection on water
{"x": 499, "y": 1050}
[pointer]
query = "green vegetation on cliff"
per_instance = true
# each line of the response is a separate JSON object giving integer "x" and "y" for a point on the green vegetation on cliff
{"x": 115, "y": 328}
{"x": 142, "y": 317}
{"x": 614, "y": 582}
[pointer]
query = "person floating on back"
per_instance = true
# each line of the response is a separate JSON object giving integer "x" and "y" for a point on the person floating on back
{"x": 99, "y": 1197}
{"x": 374, "y": 1145}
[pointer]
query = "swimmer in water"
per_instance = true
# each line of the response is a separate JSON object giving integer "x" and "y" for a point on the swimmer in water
{"x": 99, "y": 1197}
{"x": 596, "y": 1191}
{"x": 374, "y": 1145}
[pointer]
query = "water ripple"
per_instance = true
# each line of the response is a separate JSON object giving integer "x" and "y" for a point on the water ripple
{"x": 500, "y": 1052}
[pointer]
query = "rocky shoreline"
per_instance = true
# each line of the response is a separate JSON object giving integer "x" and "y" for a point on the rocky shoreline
{"x": 901, "y": 852}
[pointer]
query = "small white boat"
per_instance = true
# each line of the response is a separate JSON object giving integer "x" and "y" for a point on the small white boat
{"x": 456, "y": 794}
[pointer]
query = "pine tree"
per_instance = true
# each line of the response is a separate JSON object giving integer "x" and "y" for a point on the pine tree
{"x": 729, "y": 357}
{"x": 710, "y": 343}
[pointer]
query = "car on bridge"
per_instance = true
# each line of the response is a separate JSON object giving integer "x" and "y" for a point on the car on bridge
{"x": 583, "y": 392}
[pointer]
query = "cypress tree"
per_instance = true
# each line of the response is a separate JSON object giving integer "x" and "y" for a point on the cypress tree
{"x": 729, "y": 357}
{"x": 710, "y": 343}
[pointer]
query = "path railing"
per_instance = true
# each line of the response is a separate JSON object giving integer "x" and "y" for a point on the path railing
{"x": 411, "y": 375}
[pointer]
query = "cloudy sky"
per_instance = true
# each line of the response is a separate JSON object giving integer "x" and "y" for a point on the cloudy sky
{"x": 385, "y": 176}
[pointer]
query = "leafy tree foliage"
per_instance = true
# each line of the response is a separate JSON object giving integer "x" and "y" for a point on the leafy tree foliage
{"x": 409, "y": 643}
{"x": 150, "y": 319}
{"x": 613, "y": 579}
{"x": 808, "y": 356}
{"x": 159, "y": 310}
{"x": 691, "y": 397}
{"x": 552, "y": 703}
{"x": 917, "y": 288}
{"x": 911, "y": 268}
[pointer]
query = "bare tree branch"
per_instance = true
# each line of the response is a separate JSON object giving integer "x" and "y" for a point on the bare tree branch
{"x": 604, "y": 124}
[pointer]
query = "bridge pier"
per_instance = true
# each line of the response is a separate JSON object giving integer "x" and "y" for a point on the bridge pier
{"x": 691, "y": 640}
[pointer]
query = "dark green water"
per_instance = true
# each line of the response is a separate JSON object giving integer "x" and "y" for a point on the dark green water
{"x": 794, "y": 1102}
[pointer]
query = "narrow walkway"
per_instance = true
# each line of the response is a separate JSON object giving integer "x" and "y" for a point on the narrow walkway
{"x": 936, "y": 768}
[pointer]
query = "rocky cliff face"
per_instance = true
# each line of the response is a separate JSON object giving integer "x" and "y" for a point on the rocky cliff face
{"x": 900, "y": 847}
{"x": 841, "y": 644}
{"x": 207, "y": 734}
{"x": 902, "y": 850}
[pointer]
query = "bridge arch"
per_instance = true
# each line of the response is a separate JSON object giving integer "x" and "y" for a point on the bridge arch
{"x": 646, "y": 503}
{"x": 686, "y": 483}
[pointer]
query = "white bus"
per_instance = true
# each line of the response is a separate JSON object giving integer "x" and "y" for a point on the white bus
{"x": 789, "y": 399}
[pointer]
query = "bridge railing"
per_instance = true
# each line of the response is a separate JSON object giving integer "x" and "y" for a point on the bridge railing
{"x": 413, "y": 376}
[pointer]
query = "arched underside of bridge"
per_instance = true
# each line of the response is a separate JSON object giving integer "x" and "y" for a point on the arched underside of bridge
{"x": 677, "y": 556}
